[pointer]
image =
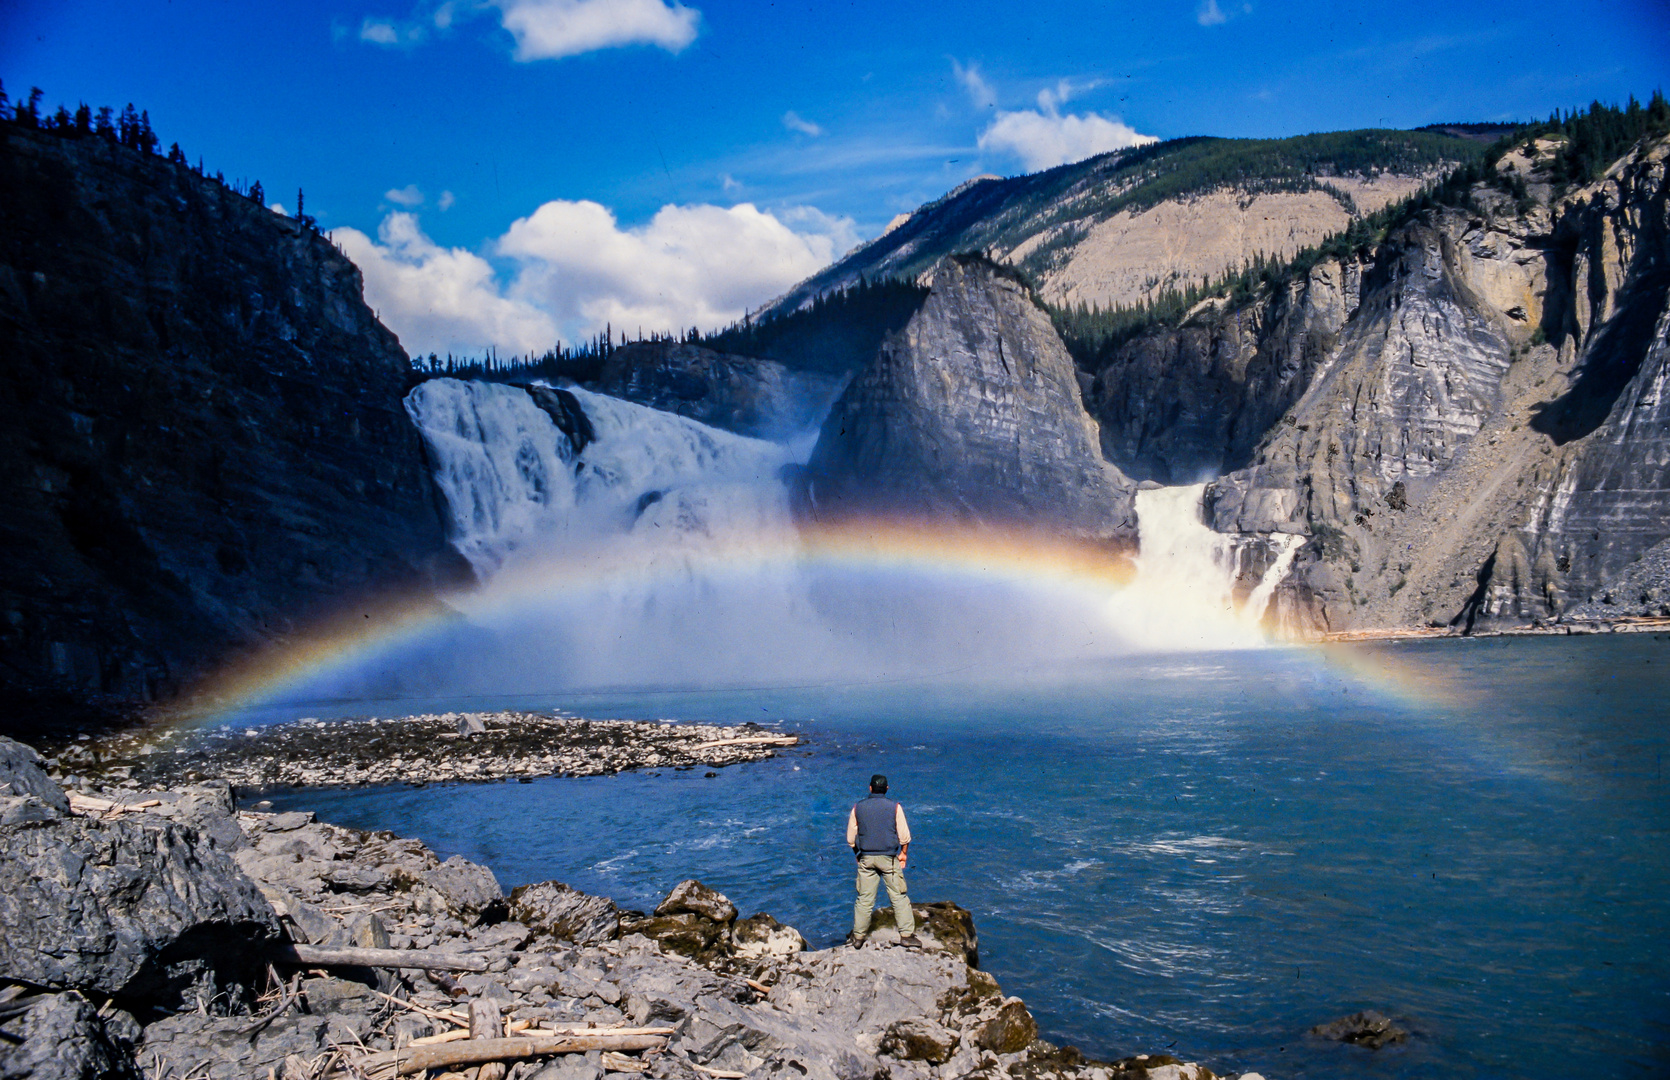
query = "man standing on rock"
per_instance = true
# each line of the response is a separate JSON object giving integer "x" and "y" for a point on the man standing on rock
{"x": 878, "y": 835}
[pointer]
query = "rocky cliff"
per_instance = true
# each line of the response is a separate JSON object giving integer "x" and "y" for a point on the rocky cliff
{"x": 1486, "y": 444}
{"x": 1119, "y": 228}
{"x": 203, "y": 438}
{"x": 972, "y": 413}
{"x": 761, "y": 398}
{"x": 1178, "y": 404}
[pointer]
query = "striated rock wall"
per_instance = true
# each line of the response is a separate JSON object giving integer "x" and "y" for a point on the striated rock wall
{"x": 1178, "y": 404}
{"x": 203, "y": 437}
{"x": 971, "y": 413}
{"x": 1487, "y": 443}
{"x": 1133, "y": 256}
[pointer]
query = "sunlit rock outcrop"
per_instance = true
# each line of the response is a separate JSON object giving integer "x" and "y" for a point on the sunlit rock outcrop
{"x": 971, "y": 414}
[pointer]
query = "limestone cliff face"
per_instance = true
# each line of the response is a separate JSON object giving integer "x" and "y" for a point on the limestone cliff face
{"x": 1178, "y": 404}
{"x": 971, "y": 413}
{"x": 202, "y": 437}
{"x": 1488, "y": 442}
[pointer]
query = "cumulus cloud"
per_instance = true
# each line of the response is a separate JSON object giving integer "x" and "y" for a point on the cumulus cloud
{"x": 446, "y": 200}
{"x": 551, "y": 29}
{"x": 1210, "y": 14}
{"x": 572, "y": 268}
{"x": 406, "y": 196}
{"x": 440, "y": 299}
{"x": 546, "y": 29}
{"x": 794, "y": 122}
{"x": 979, "y": 90}
{"x": 697, "y": 265}
{"x": 1044, "y": 138}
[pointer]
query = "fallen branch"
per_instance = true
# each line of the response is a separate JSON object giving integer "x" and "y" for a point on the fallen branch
{"x": 378, "y": 958}
{"x": 413, "y": 1060}
{"x": 752, "y": 740}
{"x": 717, "y": 1074}
{"x": 433, "y": 1014}
{"x": 566, "y": 1030}
{"x": 88, "y": 804}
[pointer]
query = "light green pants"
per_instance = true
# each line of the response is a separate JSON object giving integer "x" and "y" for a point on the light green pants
{"x": 885, "y": 869}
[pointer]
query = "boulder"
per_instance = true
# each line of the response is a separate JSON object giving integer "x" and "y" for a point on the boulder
{"x": 1367, "y": 1028}
{"x": 221, "y": 1047}
{"x": 760, "y": 936}
{"x": 1010, "y": 1031}
{"x": 941, "y": 925}
{"x": 460, "y": 888}
{"x": 63, "y": 1037}
{"x": 919, "y": 1040}
{"x": 127, "y": 909}
{"x": 552, "y": 909}
{"x": 21, "y": 774}
{"x": 697, "y": 899}
{"x": 686, "y": 933}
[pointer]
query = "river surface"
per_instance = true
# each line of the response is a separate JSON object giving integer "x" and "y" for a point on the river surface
{"x": 1202, "y": 854}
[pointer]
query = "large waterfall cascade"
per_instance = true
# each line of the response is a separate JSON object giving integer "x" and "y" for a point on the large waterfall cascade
{"x": 663, "y": 551}
{"x": 1199, "y": 566}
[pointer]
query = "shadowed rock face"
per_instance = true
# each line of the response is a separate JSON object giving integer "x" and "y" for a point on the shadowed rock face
{"x": 971, "y": 414}
{"x": 760, "y": 398}
{"x": 201, "y": 431}
{"x": 1180, "y": 403}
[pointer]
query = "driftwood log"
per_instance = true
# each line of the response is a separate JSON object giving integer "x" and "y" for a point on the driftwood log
{"x": 487, "y": 1024}
{"x": 319, "y": 956}
{"x": 418, "y": 1059}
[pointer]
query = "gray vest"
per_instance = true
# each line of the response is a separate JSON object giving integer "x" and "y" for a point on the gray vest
{"x": 878, "y": 827}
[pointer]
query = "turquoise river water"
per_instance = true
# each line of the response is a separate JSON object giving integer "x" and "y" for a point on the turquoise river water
{"x": 1203, "y": 854}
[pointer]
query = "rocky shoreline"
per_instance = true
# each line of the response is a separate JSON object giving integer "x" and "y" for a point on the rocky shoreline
{"x": 426, "y": 749}
{"x": 167, "y": 934}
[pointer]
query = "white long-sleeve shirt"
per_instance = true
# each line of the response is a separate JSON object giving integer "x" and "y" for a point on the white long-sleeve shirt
{"x": 898, "y": 823}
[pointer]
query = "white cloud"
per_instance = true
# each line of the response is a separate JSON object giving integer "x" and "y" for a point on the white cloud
{"x": 574, "y": 269}
{"x": 393, "y": 33}
{"x": 699, "y": 265}
{"x": 407, "y": 196}
{"x": 278, "y": 208}
{"x": 979, "y": 90}
{"x": 1210, "y": 14}
{"x": 1044, "y": 139}
{"x": 794, "y": 122}
{"x": 446, "y": 200}
{"x": 551, "y": 29}
{"x": 730, "y": 183}
{"x": 440, "y": 299}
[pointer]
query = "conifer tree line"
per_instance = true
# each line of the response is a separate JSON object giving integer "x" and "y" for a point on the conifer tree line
{"x": 130, "y": 129}
{"x": 1589, "y": 142}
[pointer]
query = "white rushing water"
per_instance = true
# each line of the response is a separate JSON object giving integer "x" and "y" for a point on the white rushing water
{"x": 665, "y": 552}
{"x": 1192, "y": 571}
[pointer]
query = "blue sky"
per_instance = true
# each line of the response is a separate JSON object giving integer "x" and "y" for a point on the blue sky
{"x": 506, "y": 168}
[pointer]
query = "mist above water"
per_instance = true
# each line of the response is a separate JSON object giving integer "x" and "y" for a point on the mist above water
{"x": 665, "y": 553}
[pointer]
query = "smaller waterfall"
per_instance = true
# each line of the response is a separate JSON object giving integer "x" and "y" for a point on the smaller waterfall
{"x": 1192, "y": 570}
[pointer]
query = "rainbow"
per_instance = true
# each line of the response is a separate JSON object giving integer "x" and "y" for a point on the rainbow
{"x": 954, "y": 557}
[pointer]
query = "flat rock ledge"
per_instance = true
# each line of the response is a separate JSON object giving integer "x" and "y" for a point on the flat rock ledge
{"x": 277, "y": 946}
{"x": 427, "y": 749}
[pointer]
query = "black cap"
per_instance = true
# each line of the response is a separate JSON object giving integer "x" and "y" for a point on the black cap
{"x": 878, "y": 784}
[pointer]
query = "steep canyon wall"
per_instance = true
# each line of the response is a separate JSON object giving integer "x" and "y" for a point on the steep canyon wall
{"x": 203, "y": 438}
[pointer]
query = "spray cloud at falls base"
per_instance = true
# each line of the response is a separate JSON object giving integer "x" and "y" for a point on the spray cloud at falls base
{"x": 620, "y": 546}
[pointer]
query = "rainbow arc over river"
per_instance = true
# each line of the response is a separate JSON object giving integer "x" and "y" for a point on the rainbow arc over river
{"x": 1145, "y": 613}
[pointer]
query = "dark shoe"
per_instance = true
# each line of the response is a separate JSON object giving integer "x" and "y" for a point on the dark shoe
{"x": 910, "y": 941}
{"x": 857, "y": 940}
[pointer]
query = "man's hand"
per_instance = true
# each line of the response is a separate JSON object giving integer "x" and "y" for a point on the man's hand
{"x": 904, "y": 854}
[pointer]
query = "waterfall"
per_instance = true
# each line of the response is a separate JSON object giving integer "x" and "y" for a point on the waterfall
{"x": 1194, "y": 570}
{"x": 619, "y": 545}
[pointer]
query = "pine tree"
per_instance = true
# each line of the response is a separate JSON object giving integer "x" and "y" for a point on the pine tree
{"x": 256, "y": 194}
{"x": 83, "y": 119}
{"x": 103, "y": 126}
